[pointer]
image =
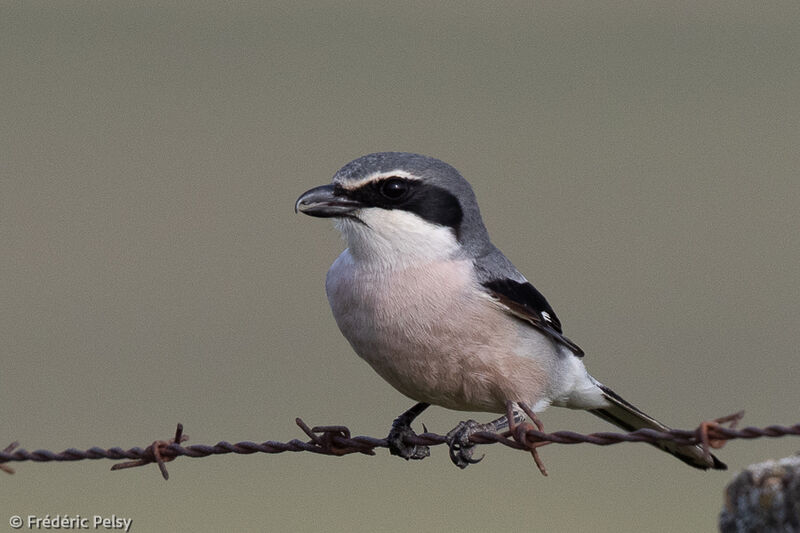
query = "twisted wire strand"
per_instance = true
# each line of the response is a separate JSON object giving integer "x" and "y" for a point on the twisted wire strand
{"x": 338, "y": 441}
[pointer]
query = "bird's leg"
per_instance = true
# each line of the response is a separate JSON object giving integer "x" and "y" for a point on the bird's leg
{"x": 518, "y": 432}
{"x": 401, "y": 428}
{"x": 461, "y": 449}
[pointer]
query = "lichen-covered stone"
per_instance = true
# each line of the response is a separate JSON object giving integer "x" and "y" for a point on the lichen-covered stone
{"x": 764, "y": 498}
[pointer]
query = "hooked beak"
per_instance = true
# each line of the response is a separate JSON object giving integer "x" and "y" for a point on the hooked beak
{"x": 322, "y": 202}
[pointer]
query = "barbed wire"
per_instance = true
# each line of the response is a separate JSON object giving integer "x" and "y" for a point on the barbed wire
{"x": 337, "y": 441}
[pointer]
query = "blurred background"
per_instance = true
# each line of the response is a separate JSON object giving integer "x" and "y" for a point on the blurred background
{"x": 638, "y": 162}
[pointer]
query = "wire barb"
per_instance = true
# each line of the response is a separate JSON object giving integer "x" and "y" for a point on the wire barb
{"x": 8, "y": 449}
{"x": 338, "y": 441}
{"x": 523, "y": 438}
{"x": 154, "y": 453}
{"x": 705, "y": 427}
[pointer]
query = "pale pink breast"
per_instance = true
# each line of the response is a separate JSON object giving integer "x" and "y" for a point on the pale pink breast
{"x": 430, "y": 334}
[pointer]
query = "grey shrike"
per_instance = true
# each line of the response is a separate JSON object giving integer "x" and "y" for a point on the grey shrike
{"x": 426, "y": 299}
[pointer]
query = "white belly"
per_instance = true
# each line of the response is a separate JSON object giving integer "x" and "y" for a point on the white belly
{"x": 432, "y": 334}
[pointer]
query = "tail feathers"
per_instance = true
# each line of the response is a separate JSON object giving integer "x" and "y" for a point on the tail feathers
{"x": 624, "y": 415}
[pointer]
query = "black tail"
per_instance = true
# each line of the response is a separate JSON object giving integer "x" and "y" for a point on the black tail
{"x": 624, "y": 415}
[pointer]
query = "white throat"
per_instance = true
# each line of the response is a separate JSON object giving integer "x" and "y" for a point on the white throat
{"x": 393, "y": 238}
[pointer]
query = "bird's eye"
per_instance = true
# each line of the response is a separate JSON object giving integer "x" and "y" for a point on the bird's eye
{"x": 394, "y": 188}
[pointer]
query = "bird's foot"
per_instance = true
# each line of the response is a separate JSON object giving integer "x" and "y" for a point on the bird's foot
{"x": 398, "y": 445}
{"x": 401, "y": 430}
{"x": 461, "y": 448}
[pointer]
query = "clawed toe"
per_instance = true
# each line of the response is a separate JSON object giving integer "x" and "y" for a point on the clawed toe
{"x": 398, "y": 446}
{"x": 461, "y": 449}
{"x": 401, "y": 431}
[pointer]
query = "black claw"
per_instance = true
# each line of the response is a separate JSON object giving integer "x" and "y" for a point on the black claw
{"x": 461, "y": 449}
{"x": 462, "y": 457}
{"x": 398, "y": 446}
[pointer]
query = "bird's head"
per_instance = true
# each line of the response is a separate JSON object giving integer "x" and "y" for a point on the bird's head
{"x": 400, "y": 206}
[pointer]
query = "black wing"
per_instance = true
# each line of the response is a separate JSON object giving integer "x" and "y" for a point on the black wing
{"x": 526, "y": 303}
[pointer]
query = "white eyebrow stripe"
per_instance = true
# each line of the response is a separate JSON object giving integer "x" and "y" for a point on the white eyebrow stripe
{"x": 375, "y": 176}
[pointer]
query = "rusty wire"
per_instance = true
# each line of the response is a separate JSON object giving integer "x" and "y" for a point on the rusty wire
{"x": 337, "y": 440}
